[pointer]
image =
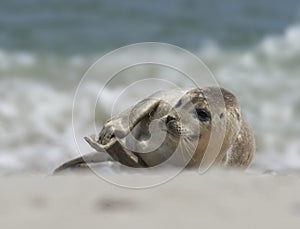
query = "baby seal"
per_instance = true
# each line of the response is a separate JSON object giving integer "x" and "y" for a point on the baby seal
{"x": 176, "y": 127}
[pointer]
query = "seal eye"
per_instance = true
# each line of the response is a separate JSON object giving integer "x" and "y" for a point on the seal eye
{"x": 203, "y": 115}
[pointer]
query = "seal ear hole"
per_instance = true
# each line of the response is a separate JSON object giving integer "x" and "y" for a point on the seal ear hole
{"x": 221, "y": 115}
{"x": 203, "y": 115}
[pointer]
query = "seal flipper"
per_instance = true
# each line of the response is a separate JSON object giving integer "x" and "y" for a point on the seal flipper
{"x": 84, "y": 160}
{"x": 117, "y": 152}
{"x": 121, "y": 125}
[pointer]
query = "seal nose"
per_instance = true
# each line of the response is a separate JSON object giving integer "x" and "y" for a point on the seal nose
{"x": 170, "y": 118}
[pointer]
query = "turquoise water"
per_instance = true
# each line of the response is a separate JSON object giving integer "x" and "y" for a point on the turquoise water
{"x": 252, "y": 48}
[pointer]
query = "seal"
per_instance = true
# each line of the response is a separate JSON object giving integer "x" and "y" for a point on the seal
{"x": 176, "y": 127}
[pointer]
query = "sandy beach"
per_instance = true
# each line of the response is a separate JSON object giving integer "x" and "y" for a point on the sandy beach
{"x": 218, "y": 199}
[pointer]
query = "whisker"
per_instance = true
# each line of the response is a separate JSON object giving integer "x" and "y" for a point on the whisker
{"x": 187, "y": 148}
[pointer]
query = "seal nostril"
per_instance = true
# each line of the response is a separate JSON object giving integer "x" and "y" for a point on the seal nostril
{"x": 169, "y": 119}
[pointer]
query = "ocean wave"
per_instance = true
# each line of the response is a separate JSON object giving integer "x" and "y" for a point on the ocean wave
{"x": 36, "y": 125}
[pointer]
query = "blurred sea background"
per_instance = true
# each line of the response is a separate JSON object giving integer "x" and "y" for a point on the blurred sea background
{"x": 252, "y": 48}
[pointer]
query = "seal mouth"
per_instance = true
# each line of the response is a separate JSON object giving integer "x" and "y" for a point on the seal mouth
{"x": 177, "y": 132}
{"x": 174, "y": 128}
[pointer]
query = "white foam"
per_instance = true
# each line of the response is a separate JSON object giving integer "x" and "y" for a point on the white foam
{"x": 34, "y": 118}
